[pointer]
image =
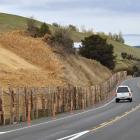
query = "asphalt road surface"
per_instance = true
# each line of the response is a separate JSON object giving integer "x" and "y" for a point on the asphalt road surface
{"x": 112, "y": 121}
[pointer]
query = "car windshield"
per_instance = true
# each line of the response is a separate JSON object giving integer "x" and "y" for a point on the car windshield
{"x": 122, "y": 90}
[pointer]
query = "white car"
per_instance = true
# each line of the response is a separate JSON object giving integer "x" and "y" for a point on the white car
{"x": 123, "y": 93}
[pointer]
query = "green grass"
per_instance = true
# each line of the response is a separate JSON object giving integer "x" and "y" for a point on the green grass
{"x": 119, "y": 47}
{"x": 10, "y": 22}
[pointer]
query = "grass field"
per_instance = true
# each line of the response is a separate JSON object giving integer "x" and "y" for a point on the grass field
{"x": 118, "y": 49}
{"x": 12, "y": 22}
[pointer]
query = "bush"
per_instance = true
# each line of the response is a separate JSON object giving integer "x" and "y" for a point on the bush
{"x": 47, "y": 38}
{"x": 72, "y": 28}
{"x": 95, "y": 47}
{"x": 44, "y": 29}
{"x": 124, "y": 55}
{"x": 32, "y": 28}
{"x": 129, "y": 56}
{"x": 136, "y": 71}
{"x": 62, "y": 37}
{"x": 55, "y": 24}
{"x": 35, "y": 31}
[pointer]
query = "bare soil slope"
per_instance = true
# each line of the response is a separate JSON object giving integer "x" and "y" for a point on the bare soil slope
{"x": 25, "y": 61}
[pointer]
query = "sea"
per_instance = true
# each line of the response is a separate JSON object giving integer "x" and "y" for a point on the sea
{"x": 132, "y": 40}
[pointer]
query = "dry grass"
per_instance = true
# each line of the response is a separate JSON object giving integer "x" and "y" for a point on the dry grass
{"x": 35, "y": 53}
{"x": 83, "y": 72}
{"x": 37, "y": 64}
{"x": 33, "y": 50}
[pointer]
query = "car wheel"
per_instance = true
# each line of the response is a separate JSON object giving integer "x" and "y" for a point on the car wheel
{"x": 117, "y": 100}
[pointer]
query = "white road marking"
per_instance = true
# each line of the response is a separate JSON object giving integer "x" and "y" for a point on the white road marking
{"x": 74, "y": 136}
{"x": 2, "y": 133}
{"x": 44, "y": 123}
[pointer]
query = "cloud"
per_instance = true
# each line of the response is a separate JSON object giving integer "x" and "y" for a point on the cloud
{"x": 126, "y": 6}
{"x": 64, "y": 5}
{"x": 103, "y": 15}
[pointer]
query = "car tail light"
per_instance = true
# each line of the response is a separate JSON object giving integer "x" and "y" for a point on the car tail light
{"x": 115, "y": 94}
{"x": 130, "y": 94}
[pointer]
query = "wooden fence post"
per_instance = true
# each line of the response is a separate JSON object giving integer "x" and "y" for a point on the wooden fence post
{"x": 29, "y": 109}
{"x": 3, "y": 107}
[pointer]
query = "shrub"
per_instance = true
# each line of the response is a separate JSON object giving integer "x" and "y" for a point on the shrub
{"x": 47, "y": 38}
{"x": 62, "y": 37}
{"x": 72, "y": 28}
{"x": 35, "y": 31}
{"x": 55, "y": 24}
{"x": 31, "y": 27}
{"x": 44, "y": 29}
{"x": 124, "y": 55}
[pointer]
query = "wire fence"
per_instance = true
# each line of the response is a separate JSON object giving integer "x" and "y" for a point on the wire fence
{"x": 25, "y": 104}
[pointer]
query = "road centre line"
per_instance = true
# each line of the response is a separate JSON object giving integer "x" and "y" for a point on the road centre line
{"x": 105, "y": 124}
{"x": 102, "y": 125}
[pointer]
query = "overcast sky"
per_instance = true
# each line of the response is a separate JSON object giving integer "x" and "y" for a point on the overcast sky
{"x": 101, "y": 15}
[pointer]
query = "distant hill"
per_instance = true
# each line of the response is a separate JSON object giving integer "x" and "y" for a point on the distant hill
{"x": 132, "y": 39}
{"x": 137, "y": 47}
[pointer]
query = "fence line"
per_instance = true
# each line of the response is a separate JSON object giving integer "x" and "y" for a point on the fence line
{"x": 22, "y": 104}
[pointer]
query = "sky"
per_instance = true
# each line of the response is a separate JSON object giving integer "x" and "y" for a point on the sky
{"x": 100, "y": 15}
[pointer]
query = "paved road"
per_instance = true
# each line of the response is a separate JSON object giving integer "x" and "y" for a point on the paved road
{"x": 110, "y": 122}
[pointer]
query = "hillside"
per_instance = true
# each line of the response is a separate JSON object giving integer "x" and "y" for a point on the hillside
{"x": 119, "y": 47}
{"x": 12, "y": 22}
{"x": 25, "y": 61}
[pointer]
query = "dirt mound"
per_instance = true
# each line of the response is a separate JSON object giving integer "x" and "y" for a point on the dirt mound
{"x": 31, "y": 62}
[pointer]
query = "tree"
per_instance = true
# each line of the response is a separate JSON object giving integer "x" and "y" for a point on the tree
{"x": 72, "y": 27}
{"x": 95, "y": 47}
{"x": 110, "y": 35}
{"x": 55, "y": 24}
{"x": 120, "y": 38}
{"x": 117, "y": 37}
{"x": 44, "y": 29}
